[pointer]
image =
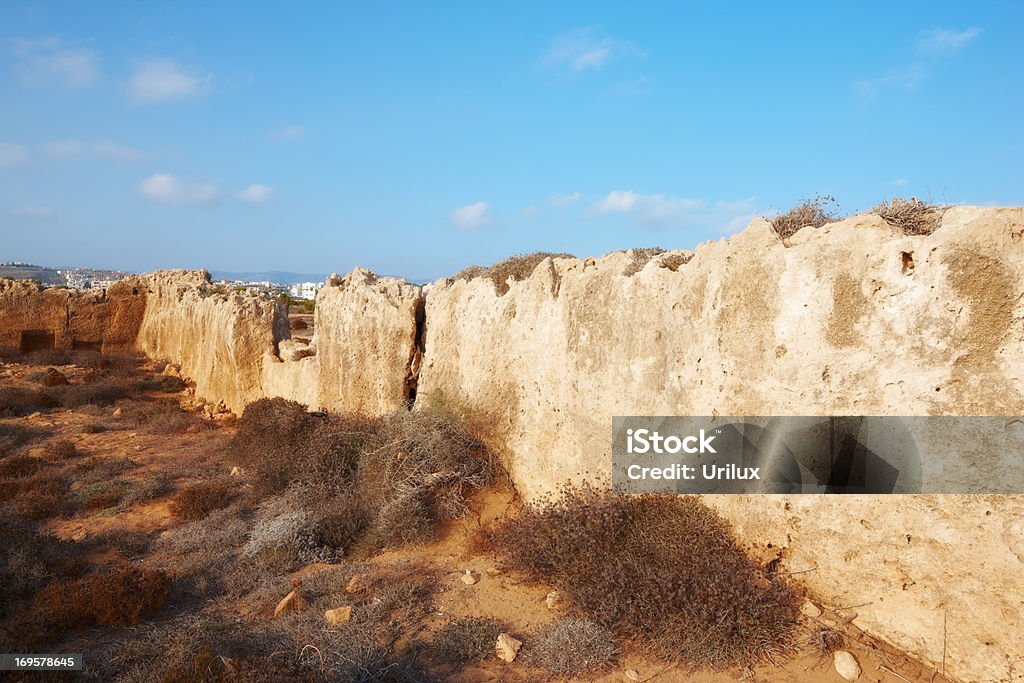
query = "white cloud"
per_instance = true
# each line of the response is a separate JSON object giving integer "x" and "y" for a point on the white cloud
{"x": 255, "y": 194}
{"x": 947, "y": 42}
{"x": 900, "y": 182}
{"x": 617, "y": 201}
{"x": 563, "y": 200}
{"x": 905, "y": 79}
{"x": 78, "y": 148}
{"x": 471, "y": 216}
{"x": 161, "y": 80}
{"x": 659, "y": 211}
{"x": 33, "y": 211}
{"x": 12, "y": 154}
{"x": 588, "y": 48}
{"x": 163, "y": 187}
{"x": 48, "y": 60}
{"x": 531, "y": 210}
{"x": 291, "y": 131}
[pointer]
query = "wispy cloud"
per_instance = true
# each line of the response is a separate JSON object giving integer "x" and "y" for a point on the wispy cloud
{"x": 33, "y": 211}
{"x": 77, "y": 148}
{"x": 161, "y": 80}
{"x": 12, "y": 154}
{"x": 166, "y": 188}
{"x": 902, "y": 79}
{"x": 944, "y": 41}
{"x": 255, "y": 194}
{"x": 561, "y": 201}
{"x": 50, "y": 60}
{"x": 588, "y": 48}
{"x": 290, "y": 131}
{"x": 900, "y": 182}
{"x": 659, "y": 211}
{"x": 472, "y": 216}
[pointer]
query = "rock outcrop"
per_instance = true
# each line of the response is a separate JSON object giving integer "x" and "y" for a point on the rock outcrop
{"x": 36, "y": 319}
{"x": 854, "y": 318}
{"x": 218, "y": 337}
{"x": 366, "y": 338}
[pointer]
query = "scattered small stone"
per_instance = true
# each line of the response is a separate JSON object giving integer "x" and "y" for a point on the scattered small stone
{"x": 171, "y": 371}
{"x": 354, "y": 585}
{"x": 809, "y": 609}
{"x": 554, "y": 600}
{"x": 633, "y": 674}
{"x": 338, "y": 615}
{"x": 846, "y": 665}
{"x": 117, "y": 412}
{"x": 469, "y": 578}
{"x": 507, "y": 647}
{"x": 293, "y": 602}
{"x": 493, "y": 571}
{"x": 34, "y": 415}
{"x": 236, "y": 472}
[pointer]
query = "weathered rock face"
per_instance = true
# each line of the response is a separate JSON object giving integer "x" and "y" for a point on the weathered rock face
{"x": 367, "y": 344}
{"x": 218, "y": 338}
{"x": 33, "y": 318}
{"x": 851, "y": 319}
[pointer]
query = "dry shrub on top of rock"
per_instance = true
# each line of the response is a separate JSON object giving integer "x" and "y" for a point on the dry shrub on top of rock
{"x": 812, "y": 213}
{"x": 663, "y": 570}
{"x": 912, "y": 216}
{"x": 516, "y": 268}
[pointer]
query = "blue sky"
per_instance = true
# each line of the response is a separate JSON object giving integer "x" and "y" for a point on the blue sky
{"x": 415, "y": 139}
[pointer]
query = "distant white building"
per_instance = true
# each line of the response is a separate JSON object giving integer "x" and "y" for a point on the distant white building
{"x": 304, "y": 290}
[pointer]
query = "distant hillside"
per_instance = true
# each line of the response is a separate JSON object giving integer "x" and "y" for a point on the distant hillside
{"x": 47, "y": 276}
{"x": 278, "y": 276}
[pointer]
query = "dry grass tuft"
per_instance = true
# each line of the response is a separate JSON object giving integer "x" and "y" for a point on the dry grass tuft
{"x": 466, "y": 640}
{"x": 516, "y": 268}
{"x": 663, "y": 570}
{"x": 809, "y": 213}
{"x": 912, "y": 216}
{"x": 823, "y": 641}
{"x": 573, "y": 647}
{"x": 640, "y": 258}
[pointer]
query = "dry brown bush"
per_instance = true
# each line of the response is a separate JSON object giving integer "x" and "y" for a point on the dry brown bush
{"x": 417, "y": 471}
{"x": 40, "y": 496}
{"x": 664, "y": 570}
{"x": 466, "y": 640}
{"x": 280, "y": 443}
{"x": 809, "y": 213}
{"x": 120, "y": 598}
{"x": 572, "y": 647}
{"x": 516, "y": 268}
{"x": 18, "y": 402}
{"x": 30, "y": 559}
{"x": 912, "y": 216}
{"x": 13, "y": 437}
{"x": 640, "y": 258}
{"x": 198, "y": 500}
{"x": 60, "y": 449}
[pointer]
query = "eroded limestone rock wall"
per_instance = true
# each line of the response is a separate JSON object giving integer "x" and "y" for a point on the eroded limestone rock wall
{"x": 366, "y": 341}
{"x": 219, "y": 338}
{"x": 852, "y": 319}
{"x": 33, "y": 318}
